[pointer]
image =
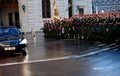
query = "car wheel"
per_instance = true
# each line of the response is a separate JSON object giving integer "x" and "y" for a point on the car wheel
{"x": 24, "y": 53}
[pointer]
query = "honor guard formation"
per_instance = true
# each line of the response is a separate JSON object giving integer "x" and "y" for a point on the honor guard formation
{"x": 98, "y": 27}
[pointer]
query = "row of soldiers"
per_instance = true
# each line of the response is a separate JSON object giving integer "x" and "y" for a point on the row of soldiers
{"x": 102, "y": 28}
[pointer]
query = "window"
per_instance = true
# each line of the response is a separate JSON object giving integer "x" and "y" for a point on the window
{"x": 70, "y": 7}
{"x": 102, "y": 2}
{"x": 96, "y": 3}
{"x": 108, "y": 1}
{"x": 81, "y": 10}
{"x": 114, "y": 1}
{"x": 46, "y": 10}
{"x": 118, "y": 9}
{"x": 119, "y": 1}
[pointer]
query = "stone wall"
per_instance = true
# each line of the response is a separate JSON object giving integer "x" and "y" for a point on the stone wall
{"x": 32, "y": 17}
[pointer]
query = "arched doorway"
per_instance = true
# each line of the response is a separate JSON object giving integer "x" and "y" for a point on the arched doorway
{"x": 9, "y": 13}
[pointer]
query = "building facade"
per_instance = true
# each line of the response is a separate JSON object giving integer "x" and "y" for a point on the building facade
{"x": 104, "y": 6}
{"x": 30, "y": 14}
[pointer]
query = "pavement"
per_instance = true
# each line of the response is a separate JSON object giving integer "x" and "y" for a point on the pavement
{"x": 63, "y": 57}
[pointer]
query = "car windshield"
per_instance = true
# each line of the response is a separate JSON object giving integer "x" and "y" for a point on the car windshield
{"x": 6, "y": 32}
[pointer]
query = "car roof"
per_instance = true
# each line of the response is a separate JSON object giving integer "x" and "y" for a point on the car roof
{"x": 8, "y": 27}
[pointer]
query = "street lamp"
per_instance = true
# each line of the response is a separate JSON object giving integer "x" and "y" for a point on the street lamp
{"x": 23, "y": 7}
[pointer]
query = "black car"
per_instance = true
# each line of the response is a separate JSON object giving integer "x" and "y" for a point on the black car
{"x": 12, "y": 40}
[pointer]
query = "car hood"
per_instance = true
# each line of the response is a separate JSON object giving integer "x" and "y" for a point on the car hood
{"x": 11, "y": 38}
{"x": 10, "y": 41}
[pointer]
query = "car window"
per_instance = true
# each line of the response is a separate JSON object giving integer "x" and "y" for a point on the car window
{"x": 9, "y": 32}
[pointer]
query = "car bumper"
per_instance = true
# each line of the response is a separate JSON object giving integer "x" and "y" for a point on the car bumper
{"x": 15, "y": 49}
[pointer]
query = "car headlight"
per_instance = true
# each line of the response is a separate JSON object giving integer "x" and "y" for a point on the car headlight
{"x": 24, "y": 41}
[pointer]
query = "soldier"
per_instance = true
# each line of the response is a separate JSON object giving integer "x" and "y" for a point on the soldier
{"x": 49, "y": 30}
{"x": 94, "y": 31}
{"x": 90, "y": 29}
{"x": 117, "y": 26}
{"x": 66, "y": 29}
{"x": 71, "y": 30}
{"x": 62, "y": 27}
{"x": 57, "y": 30}
{"x": 45, "y": 29}
{"x": 104, "y": 30}
{"x": 100, "y": 28}
{"x": 79, "y": 28}
{"x": 76, "y": 28}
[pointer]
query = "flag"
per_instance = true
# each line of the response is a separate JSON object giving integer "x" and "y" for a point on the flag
{"x": 56, "y": 12}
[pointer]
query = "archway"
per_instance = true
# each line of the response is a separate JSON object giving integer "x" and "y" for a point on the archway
{"x": 9, "y": 13}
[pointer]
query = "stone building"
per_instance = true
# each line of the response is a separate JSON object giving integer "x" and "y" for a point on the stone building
{"x": 104, "y": 6}
{"x": 31, "y": 13}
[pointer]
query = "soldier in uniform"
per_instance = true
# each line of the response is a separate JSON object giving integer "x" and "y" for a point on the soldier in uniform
{"x": 62, "y": 27}
{"x": 66, "y": 29}
{"x": 75, "y": 24}
{"x": 71, "y": 30}
{"x": 44, "y": 29}
{"x": 117, "y": 26}
{"x": 90, "y": 29}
